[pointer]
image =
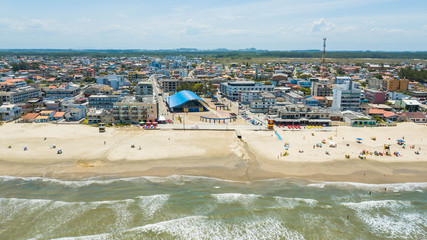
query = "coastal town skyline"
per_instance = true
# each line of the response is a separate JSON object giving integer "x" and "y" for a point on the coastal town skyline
{"x": 273, "y": 25}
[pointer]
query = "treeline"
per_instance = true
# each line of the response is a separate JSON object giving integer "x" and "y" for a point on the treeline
{"x": 198, "y": 88}
{"x": 21, "y": 65}
{"x": 413, "y": 74}
{"x": 217, "y": 54}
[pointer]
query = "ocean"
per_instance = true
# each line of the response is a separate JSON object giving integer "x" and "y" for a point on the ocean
{"x": 186, "y": 207}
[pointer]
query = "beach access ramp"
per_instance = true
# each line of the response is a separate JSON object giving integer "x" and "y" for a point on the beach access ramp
{"x": 278, "y": 136}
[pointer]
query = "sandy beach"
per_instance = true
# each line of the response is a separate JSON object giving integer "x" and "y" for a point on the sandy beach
{"x": 220, "y": 154}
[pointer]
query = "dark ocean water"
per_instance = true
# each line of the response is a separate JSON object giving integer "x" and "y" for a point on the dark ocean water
{"x": 185, "y": 207}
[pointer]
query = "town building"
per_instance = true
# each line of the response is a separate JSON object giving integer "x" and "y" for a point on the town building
{"x": 103, "y": 101}
{"x": 294, "y": 97}
{"x": 10, "y": 112}
{"x": 375, "y": 96}
{"x": 113, "y": 80}
{"x": 346, "y": 97}
{"x": 383, "y": 114}
{"x": 62, "y": 92}
{"x": 357, "y": 119}
{"x": 416, "y": 117}
{"x": 185, "y": 101}
{"x": 98, "y": 89}
{"x": 231, "y": 90}
{"x": 144, "y": 88}
{"x": 131, "y": 111}
{"x": 420, "y": 95}
{"x": 408, "y": 104}
{"x": 395, "y": 84}
{"x": 246, "y": 97}
{"x": 95, "y": 116}
{"x": 21, "y": 94}
{"x": 321, "y": 89}
{"x": 300, "y": 114}
{"x": 375, "y": 82}
{"x": 262, "y": 105}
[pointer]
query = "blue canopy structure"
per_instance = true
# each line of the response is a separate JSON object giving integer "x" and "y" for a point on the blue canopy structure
{"x": 181, "y": 98}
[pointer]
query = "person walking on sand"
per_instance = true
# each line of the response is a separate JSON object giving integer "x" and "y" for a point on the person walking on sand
{"x": 105, "y": 142}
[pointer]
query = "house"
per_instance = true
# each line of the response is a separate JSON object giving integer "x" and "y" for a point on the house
{"x": 384, "y": 115}
{"x": 58, "y": 116}
{"x": 29, "y": 117}
{"x": 74, "y": 114}
{"x": 45, "y": 116}
{"x": 416, "y": 117}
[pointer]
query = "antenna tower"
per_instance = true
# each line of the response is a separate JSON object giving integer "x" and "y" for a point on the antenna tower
{"x": 323, "y": 59}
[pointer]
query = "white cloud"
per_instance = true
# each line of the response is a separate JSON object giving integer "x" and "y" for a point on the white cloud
{"x": 322, "y": 25}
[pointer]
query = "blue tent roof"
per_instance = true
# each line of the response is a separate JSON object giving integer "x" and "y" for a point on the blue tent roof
{"x": 181, "y": 97}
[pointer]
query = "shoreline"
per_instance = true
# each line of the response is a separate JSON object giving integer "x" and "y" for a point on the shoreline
{"x": 367, "y": 172}
{"x": 207, "y": 154}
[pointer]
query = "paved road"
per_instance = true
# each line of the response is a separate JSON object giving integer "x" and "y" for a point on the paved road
{"x": 160, "y": 99}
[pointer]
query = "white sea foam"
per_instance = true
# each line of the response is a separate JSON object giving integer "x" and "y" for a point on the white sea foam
{"x": 174, "y": 179}
{"x": 151, "y": 204}
{"x": 201, "y": 227}
{"x": 244, "y": 199}
{"x": 391, "y": 218}
{"x": 393, "y": 187}
{"x": 12, "y": 207}
{"x": 291, "y": 203}
{"x": 369, "y": 205}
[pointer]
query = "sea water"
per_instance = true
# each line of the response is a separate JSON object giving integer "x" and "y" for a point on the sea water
{"x": 185, "y": 207}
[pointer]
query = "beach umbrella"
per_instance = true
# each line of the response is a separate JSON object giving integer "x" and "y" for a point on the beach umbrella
{"x": 359, "y": 139}
{"x": 400, "y": 140}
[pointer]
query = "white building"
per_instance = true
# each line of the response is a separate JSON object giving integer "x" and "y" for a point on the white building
{"x": 21, "y": 94}
{"x": 346, "y": 96}
{"x": 262, "y": 105}
{"x": 9, "y": 112}
{"x": 246, "y": 97}
{"x": 231, "y": 90}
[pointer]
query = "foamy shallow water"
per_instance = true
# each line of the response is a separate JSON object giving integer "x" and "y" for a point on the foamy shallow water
{"x": 186, "y": 207}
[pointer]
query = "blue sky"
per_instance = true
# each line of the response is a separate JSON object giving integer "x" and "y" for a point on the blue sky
{"x": 386, "y": 25}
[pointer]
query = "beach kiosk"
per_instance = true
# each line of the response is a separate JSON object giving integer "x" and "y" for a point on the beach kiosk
{"x": 101, "y": 127}
{"x": 270, "y": 124}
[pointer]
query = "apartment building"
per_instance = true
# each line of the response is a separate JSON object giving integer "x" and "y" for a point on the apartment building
{"x": 144, "y": 88}
{"x": 231, "y": 90}
{"x": 103, "y": 101}
{"x": 246, "y": 97}
{"x": 130, "y": 111}
{"x": 63, "y": 92}
{"x": 375, "y": 96}
{"x": 263, "y": 104}
{"x": 346, "y": 97}
{"x": 395, "y": 84}
{"x": 321, "y": 89}
{"x": 21, "y": 94}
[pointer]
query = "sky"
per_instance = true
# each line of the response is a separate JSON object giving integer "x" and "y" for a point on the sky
{"x": 375, "y": 25}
